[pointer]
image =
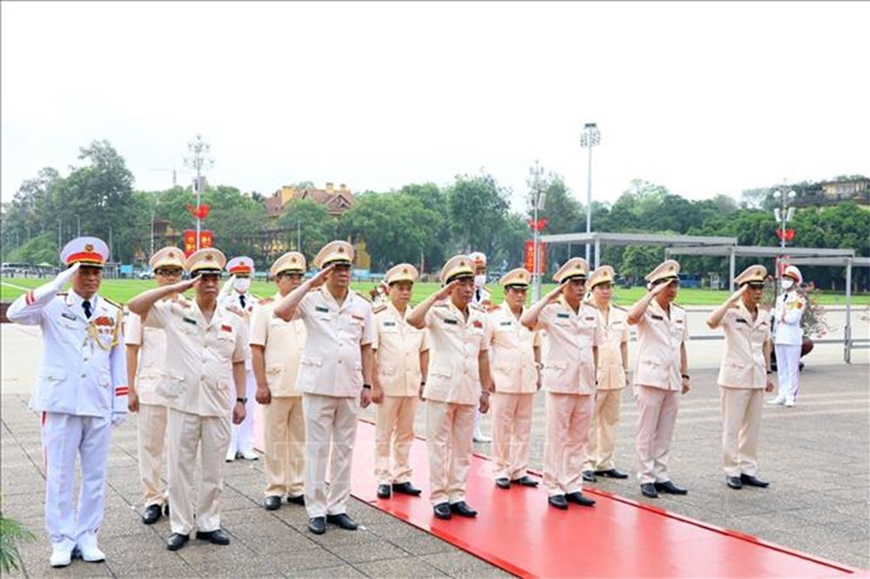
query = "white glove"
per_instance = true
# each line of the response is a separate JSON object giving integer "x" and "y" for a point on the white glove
{"x": 55, "y": 285}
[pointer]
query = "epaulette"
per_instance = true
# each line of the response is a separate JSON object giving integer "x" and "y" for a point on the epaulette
{"x": 477, "y": 307}
{"x": 116, "y": 304}
{"x": 233, "y": 309}
{"x": 591, "y": 303}
{"x": 265, "y": 301}
{"x": 443, "y": 304}
{"x": 379, "y": 309}
{"x": 619, "y": 307}
{"x": 679, "y": 307}
{"x": 64, "y": 294}
{"x": 363, "y": 296}
{"x": 182, "y": 301}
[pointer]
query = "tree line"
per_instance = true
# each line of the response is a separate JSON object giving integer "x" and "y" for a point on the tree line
{"x": 421, "y": 223}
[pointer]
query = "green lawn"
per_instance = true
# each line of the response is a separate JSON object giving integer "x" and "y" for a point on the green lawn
{"x": 123, "y": 290}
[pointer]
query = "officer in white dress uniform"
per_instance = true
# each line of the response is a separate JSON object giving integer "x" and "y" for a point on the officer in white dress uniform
{"x": 612, "y": 376}
{"x": 276, "y": 348}
{"x": 146, "y": 357}
{"x": 335, "y": 377}
{"x": 744, "y": 374}
{"x": 788, "y": 336}
{"x": 515, "y": 356}
{"x": 661, "y": 376}
{"x": 401, "y": 362}
{"x": 206, "y": 345}
{"x": 570, "y": 358}
{"x": 237, "y": 296}
{"x": 482, "y": 297}
{"x": 81, "y": 393}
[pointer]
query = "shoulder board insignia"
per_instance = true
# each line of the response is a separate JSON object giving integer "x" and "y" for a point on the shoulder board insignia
{"x": 116, "y": 304}
{"x": 235, "y": 310}
{"x": 363, "y": 296}
{"x": 379, "y": 309}
{"x": 478, "y": 307}
{"x": 265, "y": 301}
{"x": 614, "y": 306}
{"x": 63, "y": 293}
{"x": 440, "y": 305}
{"x": 679, "y": 307}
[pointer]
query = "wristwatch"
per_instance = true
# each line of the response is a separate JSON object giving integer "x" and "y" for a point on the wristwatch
{"x": 367, "y": 386}
{"x": 242, "y": 400}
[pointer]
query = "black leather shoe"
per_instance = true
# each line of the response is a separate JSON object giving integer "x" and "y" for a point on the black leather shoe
{"x": 152, "y": 514}
{"x": 578, "y": 499}
{"x": 272, "y": 503}
{"x": 442, "y": 511}
{"x": 462, "y": 509}
{"x": 588, "y": 476}
{"x": 503, "y": 483}
{"x": 649, "y": 490}
{"x": 216, "y": 537}
{"x": 384, "y": 491}
{"x": 558, "y": 501}
{"x": 525, "y": 481}
{"x": 343, "y": 520}
{"x": 406, "y": 488}
{"x": 611, "y": 473}
{"x": 317, "y": 525}
{"x": 733, "y": 482}
{"x": 176, "y": 541}
{"x": 670, "y": 488}
{"x": 751, "y": 481}
{"x": 300, "y": 500}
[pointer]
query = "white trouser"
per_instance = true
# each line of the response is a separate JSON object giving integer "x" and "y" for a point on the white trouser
{"x": 329, "y": 422}
{"x": 741, "y": 422}
{"x": 788, "y": 360}
{"x": 243, "y": 434}
{"x": 567, "y": 419}
{"x": 394, "y": 430}
{"x": 151, "y": 443}
{"x": 602, "y": 431}
{"x": 511, "y": 430}
{"x": 448, "y": 439}
{"x": 185, "y": 434}
{"x": 657, "y": 417}
{"x": 65, "y": 436}
{"x": 478, "y": 417}
{"x": 284, "y": 440}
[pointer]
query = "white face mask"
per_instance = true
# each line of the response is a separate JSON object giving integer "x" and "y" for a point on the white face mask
{"x": 786, "y": 284}
{"x": 479, "y": 280}
{"x": 241, "y": 284}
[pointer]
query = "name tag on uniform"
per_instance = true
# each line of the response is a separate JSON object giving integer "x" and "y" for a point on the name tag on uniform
{"x": 655, "y": 317}
{"x": 740, "y": 321}
{"x": 451, "y": 322}
{"x": 356, "y": 317}
{"x": 68, "y": 316}
{"x": 189, "y": 320}
{"x": 226, "y": 328}
{"x": 505, "y": 324}
{"x": 321, "y": 309}
{"x": 589, "y": 318}
{"x": 389, "y": 324}
{"x": 679, "y": 321}
{"x": 564, "y": 316}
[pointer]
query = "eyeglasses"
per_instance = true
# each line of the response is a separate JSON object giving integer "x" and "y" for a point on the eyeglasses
{"x": 290, "y": 274}
{"x": 168, "y": 272}
{"x": 341, "y": 267}
{"x": 517, "y": 288}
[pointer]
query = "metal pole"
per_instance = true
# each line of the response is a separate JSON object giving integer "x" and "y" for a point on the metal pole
{"x": 847, "y": 342}
{"x": 597, "y": 252}
{"x": 731, "y": 270}
{"x": 535, "y": 276}
{"x": 78, "y": 225}
{"x": 198, "y": 193}
{"x": 589, "y": 202}
{"x": 299, "y": 235}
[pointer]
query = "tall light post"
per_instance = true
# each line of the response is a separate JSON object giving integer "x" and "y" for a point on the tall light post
{"x": 591, "y": 136}
{"x": 153, "y": 210}
{"x": 783, "y": 213}
{"x": 537, "y": 199}
{"x": 198, "y": 159}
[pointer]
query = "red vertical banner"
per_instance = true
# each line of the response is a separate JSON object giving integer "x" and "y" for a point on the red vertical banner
{"x": 206, "y": 239}
{"x": 530, "y": 256}
{"x": 189, "y": 242}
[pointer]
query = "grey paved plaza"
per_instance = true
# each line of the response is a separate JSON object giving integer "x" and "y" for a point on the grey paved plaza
{"x": 816, "y": 455}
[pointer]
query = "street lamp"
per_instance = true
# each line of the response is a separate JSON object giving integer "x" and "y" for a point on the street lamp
{"x": 537, "y": 201}
{"x": 153, "y": 209}
{"x": 783, "y": 213}
{"x": 591, "y": 136}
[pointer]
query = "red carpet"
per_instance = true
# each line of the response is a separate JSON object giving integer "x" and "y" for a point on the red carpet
{"x": 517, "y": 531}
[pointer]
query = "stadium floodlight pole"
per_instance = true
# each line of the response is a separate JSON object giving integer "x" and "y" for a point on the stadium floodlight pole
{"x": 198, "y": 159}
{"x": 591, "y": 136}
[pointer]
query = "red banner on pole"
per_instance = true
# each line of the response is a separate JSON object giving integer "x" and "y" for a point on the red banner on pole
{"x": 530, "y": 256}
{"x": 206, "y": 239}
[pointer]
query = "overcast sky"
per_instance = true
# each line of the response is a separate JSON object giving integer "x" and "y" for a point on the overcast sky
{"x": 702, "y": 98}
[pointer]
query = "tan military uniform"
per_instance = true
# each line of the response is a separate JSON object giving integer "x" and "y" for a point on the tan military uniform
{"x": 284, "y": 422}
{"x": 515, "y": 374}
{"x": 568, "y": 378}
{"x": 198, "y": 386}
{"x": 452, "y": 396}
{"x": 742, "y": 379}
{"x": 659, "y": 384}
{"x": 398, "y": 347}
{"x": 608, "y": 397}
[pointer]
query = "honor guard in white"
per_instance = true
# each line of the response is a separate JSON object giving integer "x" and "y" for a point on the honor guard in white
{"x": 788, "y": 336}
{"x": 206, "y": 346}
{"x": 515, "y": 356}
{"x": 569, "y": 354}
{"x": 146, "y": 355}
{"x": 458, "y": 384}
{"x": 612, "y": 373}
{"x": 276, "y": 348}
{"x": 483, "y": 298}
{"x": 236, "y": 295}
{"x": 744, "y": 374}
{"x": 335, "y": 377}
{"x": 81, "y": 393}
{"x": 661, "y": 376}
{"x": 401, "y": 363}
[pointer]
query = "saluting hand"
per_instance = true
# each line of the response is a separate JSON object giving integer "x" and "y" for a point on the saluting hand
{"x": 66, "y": 275}
{"x": 554, "y": 294}
{"x": 657, "y": 289}
{"x": 185, "y": 285}
{"x": 320, "y": 277}
{"x": 735, "y": 297}
{"x": 445, "y": 292}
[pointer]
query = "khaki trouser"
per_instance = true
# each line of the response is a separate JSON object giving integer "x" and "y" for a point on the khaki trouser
{"x": 449, "y": 429}
{"x": 284, "y": 441}
{"x": 567, "y": 419}
{"x": 185, "y": 434}
{"x": 151, "y": 444}
{"x": 602, "y": 432}
{"x": 655, "y": 428}
{"x": 394, "y": 427}
{"x": 511, "y": 430}
{"x": 741, "y": 423}
{"x": 330, "y": 422}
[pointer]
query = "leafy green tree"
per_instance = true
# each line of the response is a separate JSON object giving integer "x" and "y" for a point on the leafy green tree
{"x": 307, "y": 220}
{"x": 478, "y": 208}
{"x": 440, "y": 241}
